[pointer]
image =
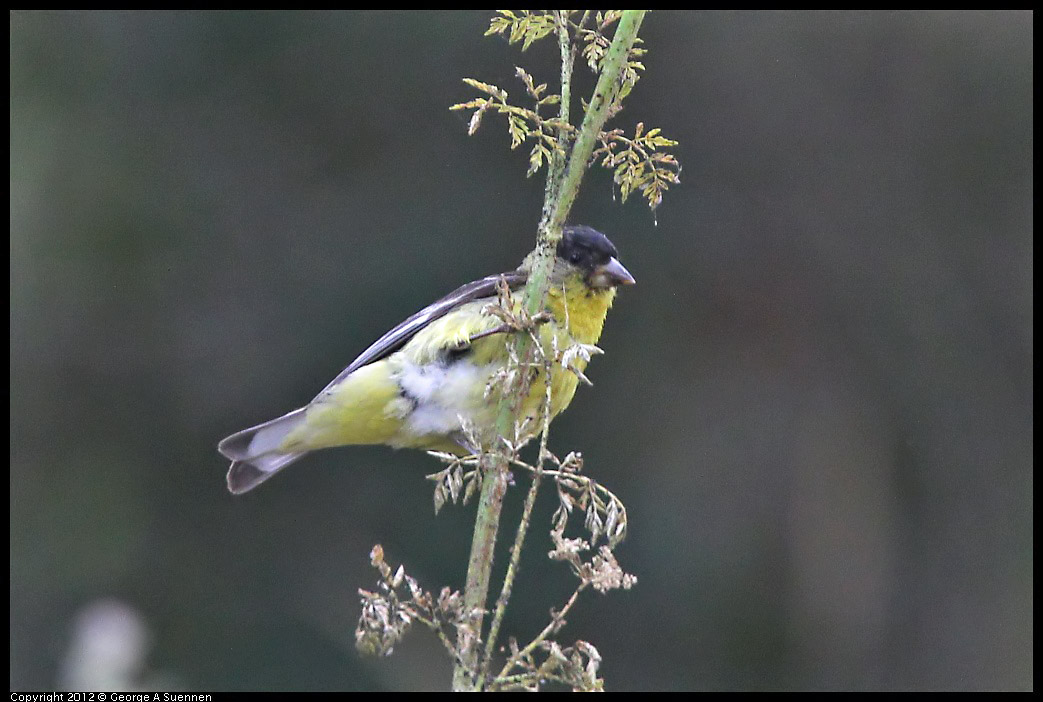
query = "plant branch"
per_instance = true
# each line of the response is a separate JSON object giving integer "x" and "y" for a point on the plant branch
{"x": 556, "y": 621}
{"x": 597, "y": 113}
{"x": 523, "y": 526}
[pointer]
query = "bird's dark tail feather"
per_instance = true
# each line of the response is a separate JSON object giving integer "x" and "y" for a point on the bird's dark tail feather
{"x": 254, "y": 452}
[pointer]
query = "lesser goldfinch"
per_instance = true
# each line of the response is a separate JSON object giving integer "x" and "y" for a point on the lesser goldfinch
{"x": 423, "y": 384}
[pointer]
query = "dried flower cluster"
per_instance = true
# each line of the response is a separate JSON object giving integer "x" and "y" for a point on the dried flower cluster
{"x": 389, "y": 613}
{"x": 575, "y": 666}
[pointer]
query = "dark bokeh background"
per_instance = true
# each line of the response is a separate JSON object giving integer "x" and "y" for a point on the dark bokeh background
{"x": 816, "y": 403}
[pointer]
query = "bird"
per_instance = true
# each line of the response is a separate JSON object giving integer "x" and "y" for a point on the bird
{"x": 425, "y": 383}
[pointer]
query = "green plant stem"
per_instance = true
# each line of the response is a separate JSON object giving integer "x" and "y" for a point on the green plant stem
{"x": 476, "y": 588}
{"x": 512, "y": 571}
{"x": 558, "y": 202}
{"x": 557, "y": 167}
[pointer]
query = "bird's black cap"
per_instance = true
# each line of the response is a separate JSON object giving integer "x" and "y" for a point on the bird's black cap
{"x": 585, "y": 247}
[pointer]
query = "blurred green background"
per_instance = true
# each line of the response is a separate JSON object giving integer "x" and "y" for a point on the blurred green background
{"x": 816, "y": 403}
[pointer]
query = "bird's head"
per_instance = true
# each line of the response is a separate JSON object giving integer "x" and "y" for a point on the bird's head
{"x": 588, "y": 253}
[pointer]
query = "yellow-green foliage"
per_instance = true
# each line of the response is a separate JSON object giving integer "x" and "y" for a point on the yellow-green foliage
{"x": 638, "y": 163}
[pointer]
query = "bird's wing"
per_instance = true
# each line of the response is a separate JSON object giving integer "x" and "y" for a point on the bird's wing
{"x": 397, "y": 337}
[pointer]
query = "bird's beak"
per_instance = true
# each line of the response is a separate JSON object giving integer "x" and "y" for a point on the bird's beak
{"x": 610, "y": 274}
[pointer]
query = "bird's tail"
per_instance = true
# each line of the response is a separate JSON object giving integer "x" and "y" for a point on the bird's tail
{"x": 255, "y": 453}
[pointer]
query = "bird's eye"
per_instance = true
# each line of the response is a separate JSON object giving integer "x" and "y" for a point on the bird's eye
{"x": 575, "y": 257}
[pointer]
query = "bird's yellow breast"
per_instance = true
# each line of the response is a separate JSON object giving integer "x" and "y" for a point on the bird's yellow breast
{"x": 580, "y": 309}
{"x": 579, "y": 317}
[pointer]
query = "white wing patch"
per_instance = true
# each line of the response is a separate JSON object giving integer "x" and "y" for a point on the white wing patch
{"x": 438, "y": 392}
